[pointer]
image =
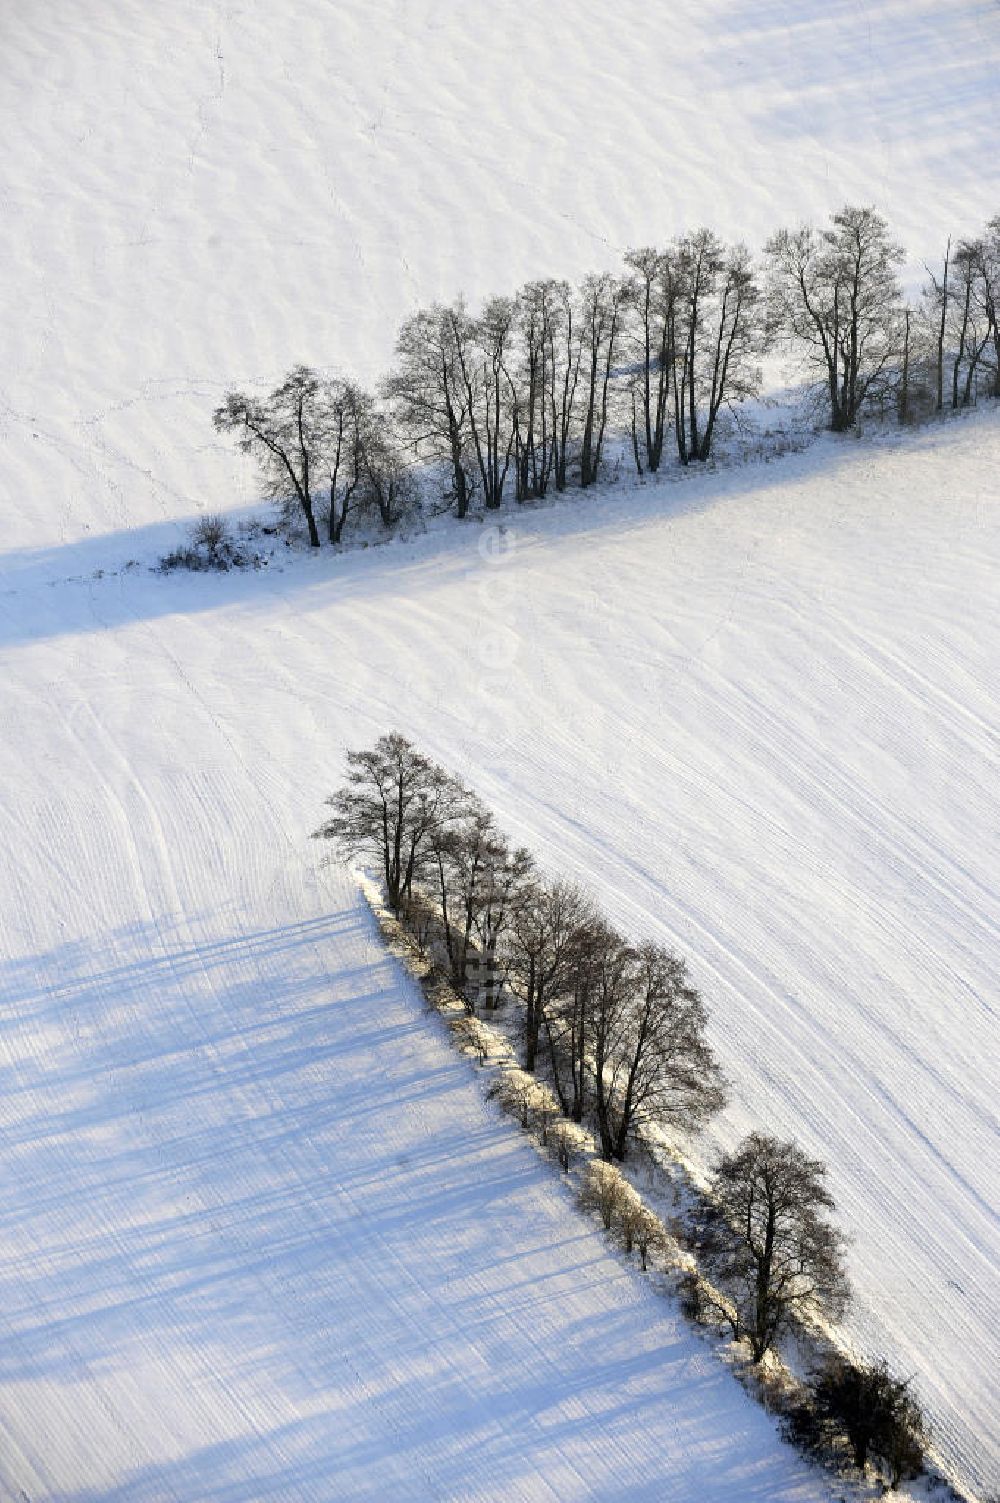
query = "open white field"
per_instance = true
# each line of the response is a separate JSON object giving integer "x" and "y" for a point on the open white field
{"x": 757, "y": 713}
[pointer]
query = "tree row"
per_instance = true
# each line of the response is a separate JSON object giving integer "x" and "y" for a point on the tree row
{"x": 621, "y": 1026}
{"x": 619, "y": 1034}
{"x": 617, "y": 1025}
{"x": 527, "y": 395}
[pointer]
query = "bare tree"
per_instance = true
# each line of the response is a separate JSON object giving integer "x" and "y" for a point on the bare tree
{"x": 523, "y": 1096}
{"x": 903, "y": 394}
{"x": 387, "y": 483}
{"x": 720, "y": 339}
{"x": 875, "y": 1412}
{"x": 764, "y": 1240}
{"x": 345, "y": 413}
{"x": 393, "y": 800}
{"x": 566, "y": 1140}
{"x": 989, "y": 267}
{"x": 538, "y": 944}
{"x": 533, "y": 385}
{"x": 458, "y": 851}
{"x": 653, "y": 295}
{"x": 484, "y": 350}
{"x": 625, "y": 1030}
{"x": 834, "y": 295}
{"x": 428, "y": 391}
{"x": 662, "y": 1071}
{"x": 477, "y": 878}
{"x": 286, "y": 433}
{"x": 605, "y": 979}
{"x": 605, "y": 1190}
{"x": 508, "y": 872}
{"x": 650, "y": 1235}
{"x": 936, "y": 303}
{"x": 602, "y": 304}
{"x": 565, "y": 353}
{"x": 644, "y": 1040}
{"x": 969, "y": 328}
{"x": 567, "y": 1016}
{"x": 629, "y": 1218}
{"x": 472, "y": 1035}
{"x": 544, "y": 377}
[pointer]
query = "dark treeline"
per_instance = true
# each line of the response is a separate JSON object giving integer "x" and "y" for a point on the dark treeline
{"x": 621, "y": 1027}
{"x": 619, "y": 1032}
{"x": 526, "y": 396}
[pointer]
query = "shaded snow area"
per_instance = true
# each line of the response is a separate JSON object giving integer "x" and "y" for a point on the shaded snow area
{"x": 260, "y": 1239}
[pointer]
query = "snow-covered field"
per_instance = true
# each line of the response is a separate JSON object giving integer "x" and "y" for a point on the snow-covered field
{"x": 254, "y": 1220}
{"x": 257, "y": 1237}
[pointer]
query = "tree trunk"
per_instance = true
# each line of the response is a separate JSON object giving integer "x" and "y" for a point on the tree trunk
{"x": 941, "y": 329}
{"x": 759, "y": 1336}
{"x": 635, "y": 440}
{"x": 532, "y": 1019}
{"x": 957, "y": 366}
{"x": 680, "y": 431}
{"x": 314, "y": 540}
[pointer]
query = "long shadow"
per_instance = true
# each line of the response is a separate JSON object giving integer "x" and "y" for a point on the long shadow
{"x": 52, "y": 593}
{"x": 274, "y": 1170}
{"x": 505, "y": 1438}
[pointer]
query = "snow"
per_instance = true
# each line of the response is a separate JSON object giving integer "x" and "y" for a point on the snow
{"x": 262, "y": 1240}
{"x": 755, "y": 713}
{"x": 259, "y": 1237}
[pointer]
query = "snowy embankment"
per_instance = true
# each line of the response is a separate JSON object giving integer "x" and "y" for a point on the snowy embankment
{"x": 257, "y": 1224}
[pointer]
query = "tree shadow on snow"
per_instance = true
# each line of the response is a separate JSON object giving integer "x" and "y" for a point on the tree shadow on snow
{"x": 263, "y": 1167}
{"x": 54, "y": 592}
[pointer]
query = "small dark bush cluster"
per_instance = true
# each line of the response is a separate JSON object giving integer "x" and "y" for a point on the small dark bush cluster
{"x": 532, "y": 394}
{"x": 211, "y": 547}
{"x": 860, "y": 1414}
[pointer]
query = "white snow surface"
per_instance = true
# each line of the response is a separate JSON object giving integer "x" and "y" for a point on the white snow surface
{"x": 256, "y": 1225}
{"x": 258, "y": 1236}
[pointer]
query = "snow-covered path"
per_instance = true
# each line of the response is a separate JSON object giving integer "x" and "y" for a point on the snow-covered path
{"x": 757, "y": 713}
